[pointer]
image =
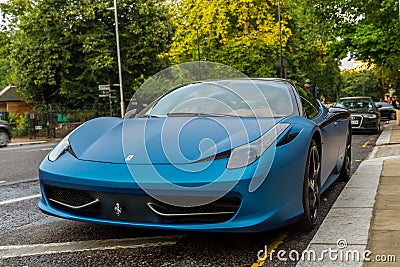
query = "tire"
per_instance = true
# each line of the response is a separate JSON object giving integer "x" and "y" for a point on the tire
{"x": 378, "y": 128}
{"x": 345, "y": 171}
{"x": 393, "y": 116}
{"x": 3, "y": 139}
{"x": 311, "y": 189}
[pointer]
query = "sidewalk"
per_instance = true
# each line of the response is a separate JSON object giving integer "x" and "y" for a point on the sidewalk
{"x": 364, "y": 221}
{"x": 384, "y": 233}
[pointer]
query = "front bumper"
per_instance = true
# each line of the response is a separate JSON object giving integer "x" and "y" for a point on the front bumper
{"x": 361, "y": 123}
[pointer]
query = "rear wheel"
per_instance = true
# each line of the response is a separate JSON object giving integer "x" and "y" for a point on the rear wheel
{"x": 378, "y": 128}
{"x": 3, "y": 139}
{"x": 345, "y": 171}
{"x": 311, "y": 189}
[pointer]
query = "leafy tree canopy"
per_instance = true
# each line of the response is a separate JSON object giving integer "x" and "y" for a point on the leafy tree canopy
{"x": 367, "y": 29}
{"x": 62, "y": 50}
{"x": 243, "y": 34}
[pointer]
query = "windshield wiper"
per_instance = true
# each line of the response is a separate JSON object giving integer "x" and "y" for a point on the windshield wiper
{"x": 198, "y": 114}
{"x": 151, "y": 116}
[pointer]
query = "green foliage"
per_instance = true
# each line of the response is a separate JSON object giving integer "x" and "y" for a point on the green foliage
{"x": 309, "y": 55}
{"x": 12, "y": 119}
{"x": 7, "y": 73}
{"x": 364, "y": 83}
{"x": 367, "y": 29}
{"x": 62, "y": 50}
{"x": 243, "y": 34}
{"x": 18, "y": 125}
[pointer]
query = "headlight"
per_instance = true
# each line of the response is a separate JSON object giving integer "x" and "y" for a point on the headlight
{"x": 245, "y": 155}
{"x": 63, "y": 147}
{"x": 369, "y": 116}
{"x": 60, "y": 149}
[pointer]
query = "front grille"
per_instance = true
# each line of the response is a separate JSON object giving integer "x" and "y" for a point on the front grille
{"x": 68, "y": 196}
{"x": 226, "y": 204}
{"x": 222, "y": 155}
{"x": 134, "y": 207}
{"x": 220, "y": 210}
{"x": 356, "y": 121}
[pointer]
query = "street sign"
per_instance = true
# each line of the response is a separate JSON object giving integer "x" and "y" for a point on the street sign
{"x": 104, "y": 87}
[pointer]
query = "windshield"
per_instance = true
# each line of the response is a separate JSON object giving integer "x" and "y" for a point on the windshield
{"x": 243, "y": 98}
{"x": 356, "y": 104}
{"x": 384, "y": 104}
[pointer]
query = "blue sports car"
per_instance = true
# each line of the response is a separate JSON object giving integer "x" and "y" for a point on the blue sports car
{"x": 225, "y": 155}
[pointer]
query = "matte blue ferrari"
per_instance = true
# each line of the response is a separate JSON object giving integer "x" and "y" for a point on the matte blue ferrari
{"x": 232, "y": 155}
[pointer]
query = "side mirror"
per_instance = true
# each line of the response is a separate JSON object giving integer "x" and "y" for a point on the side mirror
{"x": 334, "y": 114}
{"x": 378, "y": 105}
{"x": 130, "y": 114}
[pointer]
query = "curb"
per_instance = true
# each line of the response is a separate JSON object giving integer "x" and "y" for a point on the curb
{"x": 384, "y": 138}
{"x": 27, "y": 143}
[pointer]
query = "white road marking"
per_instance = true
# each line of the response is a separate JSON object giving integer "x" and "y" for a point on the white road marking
{"x": 68, "y": 247}
{"x": 18, "y": 199}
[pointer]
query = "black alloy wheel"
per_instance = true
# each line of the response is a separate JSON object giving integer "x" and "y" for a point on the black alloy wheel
{"x": 345, "y": 171}
{"x": 311, "y": 189}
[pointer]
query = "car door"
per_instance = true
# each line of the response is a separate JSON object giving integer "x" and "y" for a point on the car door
{"x": 332, "y": 134}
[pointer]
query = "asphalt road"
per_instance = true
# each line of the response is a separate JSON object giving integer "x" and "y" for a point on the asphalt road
{"x": 31, "y": 238}
{"x": 21, "y": 162}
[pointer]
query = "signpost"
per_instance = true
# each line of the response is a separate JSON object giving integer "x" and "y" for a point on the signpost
{"x": 107, "y": 92}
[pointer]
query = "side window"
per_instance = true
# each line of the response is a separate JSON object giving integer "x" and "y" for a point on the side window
{"x": 309, "y": 103}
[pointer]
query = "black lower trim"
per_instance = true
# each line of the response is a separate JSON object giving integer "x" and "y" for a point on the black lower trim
{"x": 135, "y": 208}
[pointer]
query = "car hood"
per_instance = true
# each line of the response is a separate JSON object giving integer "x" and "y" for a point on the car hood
{"x": 177, "y": 140}
{"x": 387, "y": 108}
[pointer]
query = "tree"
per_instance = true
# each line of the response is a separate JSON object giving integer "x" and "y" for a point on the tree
{"x": 62, "y": 50}
{"x": 365, "y": 83}
{"x": 243, "y": 34}
{"x": 6, "y": 75}
{"x": 369, "y": 30}
{"x": 309, "y": 55}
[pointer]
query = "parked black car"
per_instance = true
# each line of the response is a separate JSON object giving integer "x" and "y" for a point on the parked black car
{"x": 388, "y": 112}
{"x": 364, "y": 114}
{"x": 5, "y": 133}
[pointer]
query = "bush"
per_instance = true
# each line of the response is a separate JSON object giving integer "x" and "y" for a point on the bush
{"x": 18, "y": 125}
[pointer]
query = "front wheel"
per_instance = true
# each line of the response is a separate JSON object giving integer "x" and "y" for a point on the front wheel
{"x": 311, "y": 189}
{"x": 345, "y": 171}
{"x": 378, "y": 128}
{"x": 3, "y": 138}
